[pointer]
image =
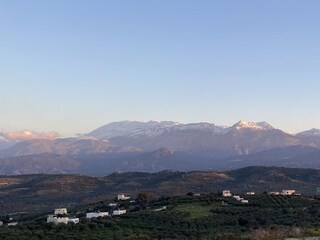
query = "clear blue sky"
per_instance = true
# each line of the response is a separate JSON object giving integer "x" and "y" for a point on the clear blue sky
{"x": 72, "y": 65}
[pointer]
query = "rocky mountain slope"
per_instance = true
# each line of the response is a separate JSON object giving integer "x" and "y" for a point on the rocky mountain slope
{"x": 154, "y": 146}
{"x": 61, "y": 146}
{"x": 204, "y": 139}
{"x": 158, "y": 160}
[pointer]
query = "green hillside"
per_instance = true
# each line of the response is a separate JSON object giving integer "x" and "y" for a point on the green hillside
{"x": 34, "y": 194}
{"x": 185, "y": 217}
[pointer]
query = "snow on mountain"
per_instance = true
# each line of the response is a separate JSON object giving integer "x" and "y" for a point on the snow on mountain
{"x": 196, "y": 138}
{"x": 308, "y": 133}
{"x": 252, "y": 125}
{"x": 265, "y": 125}
{"x": 132, "y": 129}
{"x": 149, "y": 129}
{"x": 202, "y": 126}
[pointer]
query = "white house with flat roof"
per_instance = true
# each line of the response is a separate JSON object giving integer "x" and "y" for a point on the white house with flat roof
{"x": 73, "y": 220}
{"x": 288, "y": 192}
{"x": 250, "y": 193}
{"x": 237, "y": 197}
{"x": 122, "y": 197}
{"x": 119, "y": 212}
{"x": 52, "y": 218}
{"x": 226, "y": 193}
{"x": 97, "y": 214}
{"x": 64, "y": 220}
{"x": 60, "y": 211}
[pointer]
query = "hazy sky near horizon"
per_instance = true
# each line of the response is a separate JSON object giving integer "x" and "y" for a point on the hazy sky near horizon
{"x": 74, "y": 65}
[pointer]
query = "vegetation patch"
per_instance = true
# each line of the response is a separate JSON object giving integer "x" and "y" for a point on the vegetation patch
{"x": 266, "y": 217}
{"x": 196, "y": 211}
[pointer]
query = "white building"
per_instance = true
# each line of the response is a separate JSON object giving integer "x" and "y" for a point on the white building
{"x": 1, "y": 223}
{"x": 251, "y": 193}
{"x": 112, "y": 204}
{"x": 52, "y": 218}
{"x": 119, "y": 212}
{"x": 288, "y": 192}
{"x": 96, "y": 214}
{"x": 57, "y": 220}
{"x": 237, "y": 197}
{"x": 60, "y": 211}
{"x": 226, "y": 193}
{"x": 244, "y": 201}
{"x": 122, "y": 197}
{"x": 73, "y": 220}
{"x": 64, "y": 220}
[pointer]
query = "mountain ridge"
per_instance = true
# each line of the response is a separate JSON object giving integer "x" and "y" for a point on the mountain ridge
{"x": 159, "y": 145}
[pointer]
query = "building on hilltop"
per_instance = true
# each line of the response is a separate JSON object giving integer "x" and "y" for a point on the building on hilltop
{"x": 119, "y": 212}
{"x": 226, "y": 193}
{"x": 73, "y": 220}
{"x": 238, "y": 198}
{"x": 122, "y": 197}
{"x": 97, "y": 214}
{"x": 250, "y": 193}
{"x": 288, "y": 192}
{"x": 53, "y": 218}
{"x": 60, "y": 211}
{"x": 64, "y": 220}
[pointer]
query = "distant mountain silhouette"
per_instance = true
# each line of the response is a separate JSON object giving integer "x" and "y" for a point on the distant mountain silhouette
{"x": 155, "y": 146}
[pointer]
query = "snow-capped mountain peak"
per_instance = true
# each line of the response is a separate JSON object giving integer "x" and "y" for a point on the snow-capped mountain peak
{"x": 150, "y": 129}
{"x": 132, "y": 129}
{"x": 202, "y": 126}
{"x": 265, "y": 125}
{"x": 252, "y": 125}
{"x": 155, "y": 128}
{"x": 311, "y": 132}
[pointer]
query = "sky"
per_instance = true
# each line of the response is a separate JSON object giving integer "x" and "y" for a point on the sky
{"x": 73, "y": 65}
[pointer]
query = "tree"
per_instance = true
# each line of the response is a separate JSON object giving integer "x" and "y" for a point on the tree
{"x": 190, "y": 194}
{"x": 144, "y": 197}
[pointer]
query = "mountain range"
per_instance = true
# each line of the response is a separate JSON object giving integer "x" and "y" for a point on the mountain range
{"x": 159, "y": 145}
